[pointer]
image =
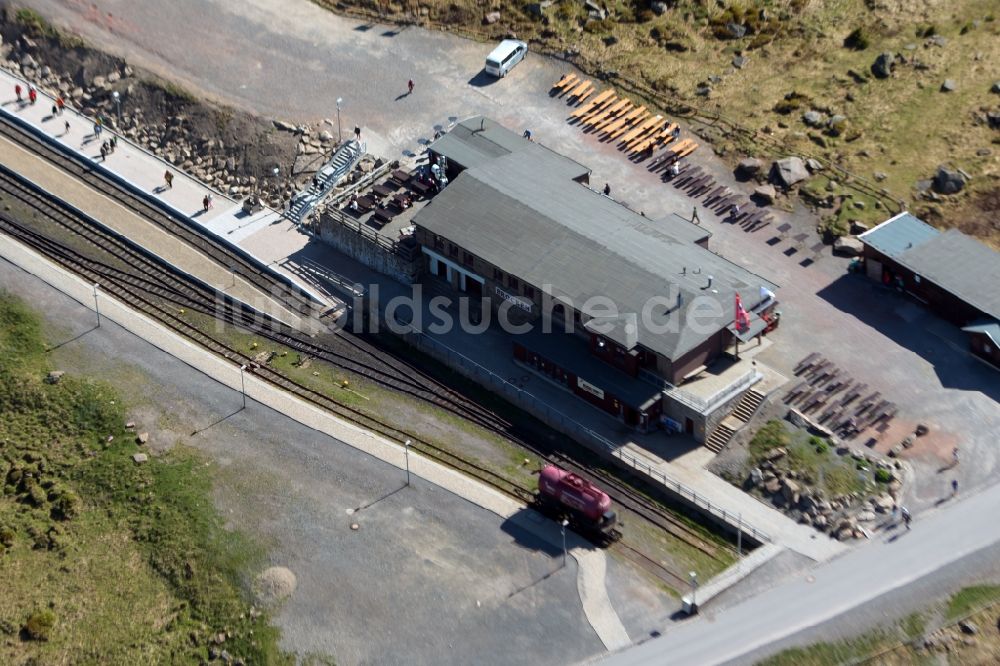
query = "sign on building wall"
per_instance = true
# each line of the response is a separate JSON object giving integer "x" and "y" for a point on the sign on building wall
{"x": 514, "y": 300}
{"x": 590, "y": 388}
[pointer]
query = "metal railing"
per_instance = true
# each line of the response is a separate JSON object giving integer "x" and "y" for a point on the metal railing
{"x": 337, "y": 216}
{"x": 531, "y": 403}
{"x": 705, "y": 405}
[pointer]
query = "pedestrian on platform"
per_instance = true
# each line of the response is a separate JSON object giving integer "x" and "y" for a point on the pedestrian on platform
{"x": 607, "y": 189}
{"x": 113, "y": 143}
{"x": 67, "y": 128}
{"x": 104, "y": 151}
{"x": 54, "y": 110}
{"x": 60, "y": 104}
{"x": 168, "y": 178}
{"x": 98, "y": 126}
{"x": 954, "y": 487}
{"x": 32, "y": 94}
{"x": 527, "y": 134}
{"x": 357, "y": 133}
{"x": 675, "y": 170}
{"x": 409, "y": 87}
{"x": 906, "y": 516}
{"x": 17, "y": 91}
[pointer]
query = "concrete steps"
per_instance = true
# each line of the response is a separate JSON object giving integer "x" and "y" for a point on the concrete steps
{"x": 739, "y": 417}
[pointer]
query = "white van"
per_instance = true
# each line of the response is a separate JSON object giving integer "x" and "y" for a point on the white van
{"x": 504, "y": 57}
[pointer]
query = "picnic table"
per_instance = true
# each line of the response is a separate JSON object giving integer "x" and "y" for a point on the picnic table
{"x": 402, "y": 200}
{"x": 383, "y": 190}
{"x": 420, "y": 188}
{"x": 383, "y": 216}
{"x": 400, "y": 176}
{"x": 366, "y": 203}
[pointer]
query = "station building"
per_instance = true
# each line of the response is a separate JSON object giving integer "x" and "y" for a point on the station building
{"x": 621, "y": 310}
{"x": 954, "y": 275}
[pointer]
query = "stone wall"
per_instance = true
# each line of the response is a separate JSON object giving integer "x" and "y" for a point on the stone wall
{"x": 373, "y": 255}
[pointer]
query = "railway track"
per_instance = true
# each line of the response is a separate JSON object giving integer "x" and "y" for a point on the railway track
{"x": 147, "y": 278}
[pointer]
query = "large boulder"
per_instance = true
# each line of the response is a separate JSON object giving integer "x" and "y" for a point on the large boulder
{"x": 789, "y": 171}
{"x": 766, "y": 193}
{"x": 948, "y": 181}
{"x": 882, "y": 67}
{"x": 750, "y": 166}
{"x": 848, "y": 246}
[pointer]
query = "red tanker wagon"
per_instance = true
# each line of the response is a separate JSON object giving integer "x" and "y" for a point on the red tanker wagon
{"x": 587, "y": 506}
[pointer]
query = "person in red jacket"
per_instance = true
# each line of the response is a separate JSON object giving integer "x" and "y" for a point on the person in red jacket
{"x": 17, "y": 91}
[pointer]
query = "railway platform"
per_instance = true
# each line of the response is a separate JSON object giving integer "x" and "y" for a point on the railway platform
{"x": 144, "y": 171}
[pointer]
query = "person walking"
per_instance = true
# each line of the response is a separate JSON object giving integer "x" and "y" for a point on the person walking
{"x": 67, "y": 128}
{"x": 17, "y": 91}
{"x": 32, "y": 94}
{"x": 168, "y": 178}
{"x": 60, "y": 104}
{"x": 98, "y": 126}
{"x": 954, "y": 487}
{"x": 357, "y": 133}
{"x": 104, "y": 151}
{"x": 55, "y": 110}
{"x": 409, "y": 87}
{"x": 607, "y": 189}
{"x": 113, "y": 143}
{"x": 906, "y": 516}
{"x": 207, "y": 202}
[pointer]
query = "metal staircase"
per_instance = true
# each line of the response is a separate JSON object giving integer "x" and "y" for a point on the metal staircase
{"x": 325, "y": 180}
{"x": 739, "y": 417}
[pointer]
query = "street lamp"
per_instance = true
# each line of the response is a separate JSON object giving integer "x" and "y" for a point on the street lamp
{"x": 118, "y": 104}
{"x": 563, "y": 526}
{"x": 97, "y": 307}
{"x": 693, "y": 578}
{"x": 243, "y": 386}
{"x": 406, "y": 451}
{"x": 340, "y": 136}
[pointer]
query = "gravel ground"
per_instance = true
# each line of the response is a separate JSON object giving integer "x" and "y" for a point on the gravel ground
{"x": 427, "y": 579}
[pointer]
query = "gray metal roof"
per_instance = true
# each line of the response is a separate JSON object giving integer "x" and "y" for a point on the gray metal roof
{"x": 478, "y": 140}
{"x": 577, "y": 244}
{"x": 898, "y": 234}
{"x": 960, "y": 265}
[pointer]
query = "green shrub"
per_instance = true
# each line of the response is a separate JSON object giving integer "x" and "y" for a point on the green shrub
{"x": 7, "y": 535}
{"x": 39, "y": 625}
{"x": 883, "y": 475}
{"x": 834, "y": 227}
{"x": 771, "y": 435}
{"x": 859, "y": 40}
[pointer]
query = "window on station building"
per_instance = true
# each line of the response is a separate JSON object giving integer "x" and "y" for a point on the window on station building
{"x": 452, "y": 249}
{"x": 529, "y": 291}
{"x": 497, "y": 274}
{"x": 467, "y": 258}
{"x": 512, "y": 282}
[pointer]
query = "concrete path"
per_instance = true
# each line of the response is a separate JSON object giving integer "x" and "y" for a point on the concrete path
{"x": 828, "y": 591}
{"x": 591, "y": 563}
{"x": 144, "y": 171}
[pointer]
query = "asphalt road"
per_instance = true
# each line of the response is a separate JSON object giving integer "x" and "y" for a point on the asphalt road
{"x": 967, "y": 529}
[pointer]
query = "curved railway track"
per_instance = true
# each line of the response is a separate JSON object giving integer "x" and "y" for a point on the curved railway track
{"x": 148, "y": 278}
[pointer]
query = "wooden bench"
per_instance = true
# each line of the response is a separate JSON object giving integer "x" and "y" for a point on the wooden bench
{"x": 627, "y": 122}
{"x": 595, "y": 103}
{"x": 566, "y": 80}
{"x": 579, "y": 90}
{"x": 614, "y": 112}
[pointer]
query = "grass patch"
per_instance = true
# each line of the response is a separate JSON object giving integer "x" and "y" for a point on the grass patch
{"x": 969, "y": 599}
{"x": 847, "y": 651}
{"x": 104, "y": 560}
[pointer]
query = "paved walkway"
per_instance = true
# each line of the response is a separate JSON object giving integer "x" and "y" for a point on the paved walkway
{"x": 143, "y": 170}
{"x": 591, "y": 581}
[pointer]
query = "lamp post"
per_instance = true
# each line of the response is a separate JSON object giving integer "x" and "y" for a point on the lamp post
{"x": 243, "y": 386}
{"x": 406, "y": 453}
{"x": 563, "y": 526}
{"x": 97, "y": 307}
{"x": 118, "y": 104}
{"x": 340, "y": 136}
{"x": 693, "y": 578}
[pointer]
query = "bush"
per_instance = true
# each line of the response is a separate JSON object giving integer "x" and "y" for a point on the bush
{"x": 883, "y": 475}
{"x": 858, "y": 40}
{"x": 39, "y": 625}
{"x": 834, "y": 227}
{"x": 793, "y": 101}
{"x": 771, "y": 435}
{"x": 7, "y": 535}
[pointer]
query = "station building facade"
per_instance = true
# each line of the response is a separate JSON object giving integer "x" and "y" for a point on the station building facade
{"x": 619, "y": 309}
